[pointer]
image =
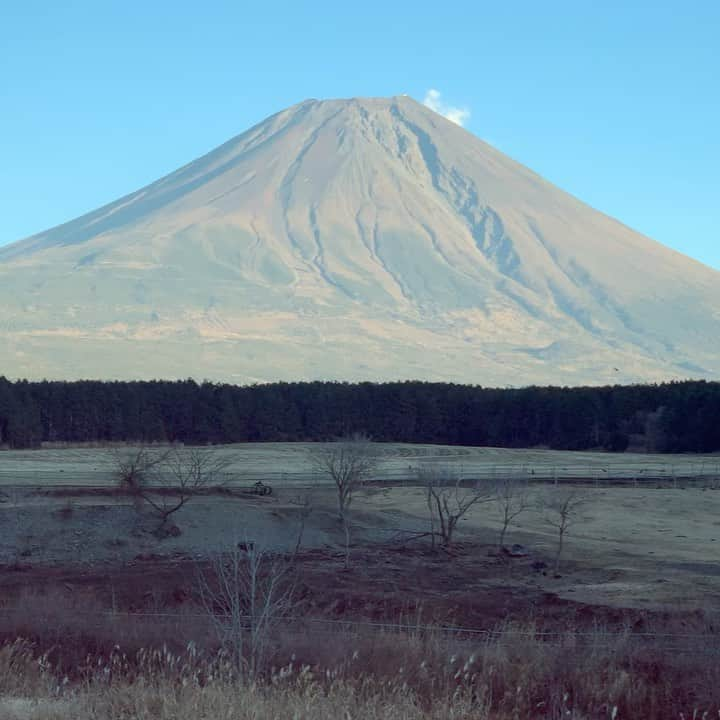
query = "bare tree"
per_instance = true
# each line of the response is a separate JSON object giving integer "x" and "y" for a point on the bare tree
{"x": 349, "y": 462}
{"x": 167, "y": 481}
{"x": 132, "y": 465}
{"x": 303, "y": 502}
{"x": 561, "y": 511}
{"x": 426, "y": 478}
{"x": 512, "y": 500}
{"x": 246, "y": 592}
{"x": 449, "y": 500}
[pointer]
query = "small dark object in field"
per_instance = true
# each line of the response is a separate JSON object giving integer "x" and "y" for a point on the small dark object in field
{"x": 539, "y": 565}
{"x": 164, "y": 532}
{"x": 246, "y": 546}
{"x": 147, "y": 557}
{"x": 518, "y": 551}
{"x": 115, "y": 543}
{"x": 260, "y": 488}
{"x": 66, "y": 511}
{"x": 515, "y": 551}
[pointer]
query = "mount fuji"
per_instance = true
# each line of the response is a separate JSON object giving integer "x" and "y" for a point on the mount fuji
{"x": 359, "y": 239}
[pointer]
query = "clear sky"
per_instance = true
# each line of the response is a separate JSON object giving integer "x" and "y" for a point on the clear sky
{"x": 616, "y": 102}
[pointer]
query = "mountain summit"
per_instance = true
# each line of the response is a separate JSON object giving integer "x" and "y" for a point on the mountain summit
{"x": 355, "y": 239}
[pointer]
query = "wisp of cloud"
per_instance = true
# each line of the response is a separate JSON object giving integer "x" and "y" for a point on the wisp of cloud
{"x": 433, "y": 100}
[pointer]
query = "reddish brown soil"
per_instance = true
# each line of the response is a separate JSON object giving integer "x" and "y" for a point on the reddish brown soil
{"x": 470, "y": 588}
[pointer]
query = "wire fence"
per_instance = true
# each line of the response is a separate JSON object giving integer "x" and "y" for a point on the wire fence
{"x": 203, "y": 622}
{"x": 664, "y": 475}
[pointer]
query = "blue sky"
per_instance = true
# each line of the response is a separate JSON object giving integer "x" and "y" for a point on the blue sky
{"x": 616, "y": 102}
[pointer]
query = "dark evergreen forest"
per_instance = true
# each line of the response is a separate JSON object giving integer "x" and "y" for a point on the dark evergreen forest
{"x": 674, "y": 417}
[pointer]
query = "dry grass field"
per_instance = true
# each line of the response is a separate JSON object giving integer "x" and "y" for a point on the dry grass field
{"x": 286, "y": 463}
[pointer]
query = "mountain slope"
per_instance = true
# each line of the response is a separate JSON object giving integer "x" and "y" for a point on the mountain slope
{"x": 355, "y": 239}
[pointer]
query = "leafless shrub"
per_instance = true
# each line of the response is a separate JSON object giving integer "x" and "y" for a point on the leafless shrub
{"x": 512, "y": 499}
{"x": 133, "y": 465}
{"x": 66, "y": 511}
{"x": 304, "y": 504}
{"x": 561, "y": 510}
{"x": 449, "y": 500}
{"x": 245, "y": 593}
{"x": 166, "y": 480}
{"x": 183, "y": 474}
{"x": 348, "y": 463}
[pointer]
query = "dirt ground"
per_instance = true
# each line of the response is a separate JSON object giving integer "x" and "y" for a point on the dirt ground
{"x": 630, "y": 547}
{"x": 635, "y": 553}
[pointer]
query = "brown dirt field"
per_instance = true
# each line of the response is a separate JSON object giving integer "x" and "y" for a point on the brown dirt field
{"x": 400, "y": 587}
{"x": 646, "y": 558}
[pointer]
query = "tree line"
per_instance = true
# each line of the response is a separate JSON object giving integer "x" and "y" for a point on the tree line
{"x": 670, "y": 417}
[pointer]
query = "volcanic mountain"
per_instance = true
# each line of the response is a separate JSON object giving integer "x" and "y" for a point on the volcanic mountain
{"x": 355, "y": 239}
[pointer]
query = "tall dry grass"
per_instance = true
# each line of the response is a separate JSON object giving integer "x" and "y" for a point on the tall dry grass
{"x": 77, "y": 660}
{"x": 515, "y": 674}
